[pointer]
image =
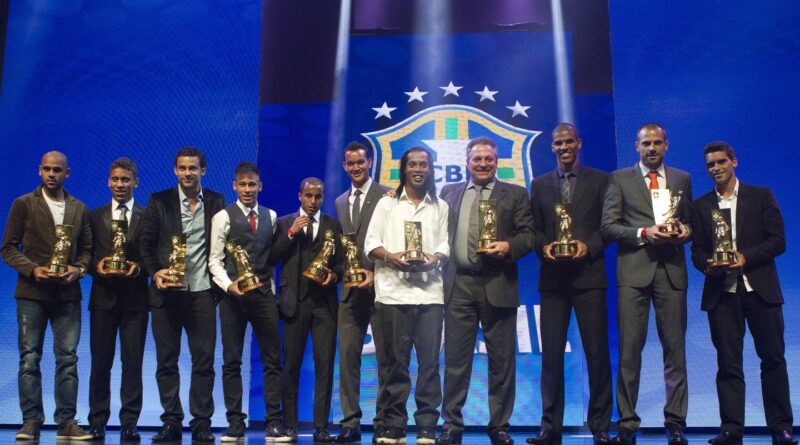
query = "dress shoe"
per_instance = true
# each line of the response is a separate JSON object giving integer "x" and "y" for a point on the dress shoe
{"x": 234, "y": 433}
{"x": 129, "y": 433}
{"x": 601, "y": 438}
{"x": 726, "y": 438}
{"x": 202, "y": 433}
{"x": 545, "y": 438}
{"x": 783, "y": 438}
{"x": 168, "y": 433}
{"x": 349, "y": 435}
{"x": 321, "y": 435}
{"x": 426, "y": 435}
{"x": 449, "y": 437}
{"x": 501, "y": 437}
{"x": 624, "y": 437}
{"x": 675, "y": 436}
{"x": 275, "y": 432}
{"x": 98, "y": 432}
{"x": 377, "y": 433}
{"x": 290, "y": 436}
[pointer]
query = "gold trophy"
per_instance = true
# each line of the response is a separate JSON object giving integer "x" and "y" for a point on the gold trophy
{"x": 177, "y": 262}
{"x": 246, "y": 279}
{"x": 318, "y": 270}
{"x": 353, "y": 273}
{"x": 724, "y": 255}
{"x": 671, "y": 223}
{"x": 565, "y": 248}
{"x": 60, "y": 259}
{"x": 487, "y": 224}
{"x": 413, "y": 254}
{"x": 117, "y": 264}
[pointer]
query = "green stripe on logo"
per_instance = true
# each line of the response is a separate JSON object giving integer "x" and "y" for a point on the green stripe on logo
{"x": 394, "y": 174}
{"x": 451, "y": 128}
{"x": 505, "y": 173}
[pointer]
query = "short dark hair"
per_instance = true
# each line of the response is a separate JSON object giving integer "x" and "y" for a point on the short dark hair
{"x": 652, "y": 126}
{"x": 715, "y": 146}
{"x": 311, "y": 181}
{"x": 430, "y": 183}
{"x": 481, "y": 140}
{"x": 356, "y": 146}
{"x": 126, "y": 164}
{"x": 246, "y": 167}
{"x": 191, "y": 152}
{"x": 563, "y": 126}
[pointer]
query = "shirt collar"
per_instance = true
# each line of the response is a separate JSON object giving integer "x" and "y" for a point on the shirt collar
{"x": 734, "y": 195}
{"x": 364, "y": 187}
{"x": 574, "y": 172}
{"x": 404, "y": 196}
{"x": 662, "y": 171}
{"x": 489, "y": 186}
{"x": 128, "y": 205}
{"x": 182, "y": 196}
{"x": 315, "y": 217}
{"x": 245, "y": 209}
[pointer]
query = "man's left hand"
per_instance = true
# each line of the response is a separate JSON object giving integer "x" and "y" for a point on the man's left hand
{"x": 682, "y": 236}
{"x": 498, "y": 249}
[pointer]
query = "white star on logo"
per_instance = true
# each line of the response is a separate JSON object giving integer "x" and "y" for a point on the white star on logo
{"x": 384, "y": 110}
{"x": 486, "y": 94}
{"x": 415, "y": 95}
{"x": 451, "y": 89}
{"x": 519, "y": 109}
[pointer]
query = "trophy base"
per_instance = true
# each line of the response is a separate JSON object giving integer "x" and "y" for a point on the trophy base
{"x": 414, "y": 257}
{"x": 722, "y": 259}
{"x": 564, "y": 251}
{"x": 175, "y": 281}
{"x": 249, "y": 284}
{"x": 316, "y": 274}
{"x": 669, "y": 229}
{"x": 483, "y": 245}
{"x": 56, "y": 269}
{"x": 353, "y": 279}
{"x": 115, "y": 268}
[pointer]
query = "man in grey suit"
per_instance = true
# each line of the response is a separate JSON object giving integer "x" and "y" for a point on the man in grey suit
{"x": 356, "y": 304}
{"x": 651, "y": 267}
{"x": 483, "y": 289}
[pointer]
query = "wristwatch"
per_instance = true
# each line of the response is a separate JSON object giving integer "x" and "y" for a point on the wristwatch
{"x": 82, "y": 270}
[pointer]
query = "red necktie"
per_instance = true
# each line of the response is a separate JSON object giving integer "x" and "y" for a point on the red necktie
{"x": 252, "y": 220}
{"x": 653, "y": 179}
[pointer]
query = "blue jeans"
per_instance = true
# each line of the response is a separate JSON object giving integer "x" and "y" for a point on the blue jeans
{"x": 65, "y": 321}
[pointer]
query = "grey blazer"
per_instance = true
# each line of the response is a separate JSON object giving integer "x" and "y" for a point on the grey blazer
{"x": 627, "y": 207}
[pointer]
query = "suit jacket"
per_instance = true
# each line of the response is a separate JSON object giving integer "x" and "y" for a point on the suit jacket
{"x": 28, "y": 243}
{"x": 294, "y": 257}
{"x": 106, "y": 291}
{"x": 587, "y": 209}
{"x": 514, "y": 224}
{"x": 759, "y": 236}
{"x": 374, "y": 194}
{"x": 162, "y": 219}
{"x": 628, "y": 207}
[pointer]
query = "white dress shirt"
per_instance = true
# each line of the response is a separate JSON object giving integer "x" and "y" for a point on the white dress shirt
{"x": 387, "y": 230}
{"x": 730, "y": 203}
{"x": 115, "y": 212}
{"x": 57, "y": 208}
{"x": 220, "y": 228}
{"x": 352, "y": 197}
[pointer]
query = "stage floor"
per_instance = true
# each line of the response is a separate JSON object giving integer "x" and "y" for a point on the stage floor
{"x": 255, "y": 437}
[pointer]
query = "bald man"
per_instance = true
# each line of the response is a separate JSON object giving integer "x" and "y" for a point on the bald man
{"x": 28, "y": 245}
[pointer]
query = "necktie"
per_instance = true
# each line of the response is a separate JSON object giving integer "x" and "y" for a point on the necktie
{"x": 566, "y": 188}
{"x": 310, "y": 229}
{"x": 252, "y": 220}
{"x": 123, "y": 210}
{"x": 356, "y": 210}
{"x": 653, "y": 180}
{"x": 472, "y": 235}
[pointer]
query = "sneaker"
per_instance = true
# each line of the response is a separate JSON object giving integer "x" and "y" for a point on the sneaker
{"x": 392, "y": 434}
{"x": 290, "y": 435}
{"x": 274, "y": 432}
{"x": 71, "y": 431}
{"x": 426, "y": 435}
{"x": 29, "y": 430}
{"x": 234, "y": 433}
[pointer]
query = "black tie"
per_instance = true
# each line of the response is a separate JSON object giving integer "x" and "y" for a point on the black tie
{"x": 310, "y": 229}
{"x": 566, "y": 189}
{"x": 356, "y": 210}
{"x": 472, "y": 234}
{"x": 123, "y": 210}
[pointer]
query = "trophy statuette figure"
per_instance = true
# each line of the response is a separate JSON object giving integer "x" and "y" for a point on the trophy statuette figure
{"x": 565, "y": 247}
{"x": 353, "y": 270}
{"x": 318, "y": 270}
{"x": 61, "y": 248}
{"x": 487, "y": 224}
{"x": 177, "y": 262}
{"x": 246, "y": 280}
{"x": 413, "y": 235}
{"x": 671, "y": 222}
{"x": 117, "y": 264}
{"x": 724, "y": 255}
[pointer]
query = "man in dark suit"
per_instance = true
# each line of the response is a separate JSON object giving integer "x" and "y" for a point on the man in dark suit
{"x": 578, "y": 283}
{"x": 747, "y": 291}
{"x": 651, "y": 267}
{"x": 117, "y": 304}
{"x": 28, "y": 246}
{"x": 307, "y": 305}
{"x": 483, "y": 289}
{"x": 357, "y": 304}
{"x": 184, "y": 209}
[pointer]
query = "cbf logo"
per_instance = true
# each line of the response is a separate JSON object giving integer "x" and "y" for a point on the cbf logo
{"x": 446, "y": 130}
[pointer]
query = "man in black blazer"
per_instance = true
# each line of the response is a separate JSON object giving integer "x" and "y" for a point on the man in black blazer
{"x": 483, "y": 289}
{"x": 117, "y": 304}
{"x": 184, "y": 209}
{"x": 357, "y": 304}
{"x": 747, "y": 291}
{"x": 307, "y": 305}
{"x": 41, "y": 297}
{"x": 651, "y": 270}
{"x": 578, "y": 283}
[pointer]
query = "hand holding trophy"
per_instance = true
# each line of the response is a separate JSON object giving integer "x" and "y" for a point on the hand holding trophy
{"x": 318, "y": 270}
{"x": 117, "y": 264}
{"x": 413, "y": 234}
{"x": 246, "y": 280}
{"x": 565, "y": 247}
{"x": 487, "y": 224}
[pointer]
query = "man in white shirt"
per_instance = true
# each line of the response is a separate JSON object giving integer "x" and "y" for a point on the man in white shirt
{"x": 409, "y": 298}
{"x": 251, "y": 227}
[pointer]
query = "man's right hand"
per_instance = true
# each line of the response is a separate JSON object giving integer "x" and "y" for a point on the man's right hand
{"x": 40, "y": 274}
{"x": 655, "y": 236}
{"x": 99, "y": 269}
{"x": 396, "y": 261}
{"x": 299, "y": 224}
{"x": 233, "y": 289}
{"x": 547, "y": 252}
{"x": 161, "y": 278}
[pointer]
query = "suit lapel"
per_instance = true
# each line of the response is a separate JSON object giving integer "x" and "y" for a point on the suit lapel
{"x": 581, "y": 182}
{"x": 70, "y": 211}
{"x": 741, "y": 204}
{"x": 45, "y": 209}
{"x": 373, "y": 195}
{"x": 498, "y": 192}
{"x": 636, "y": 177}
{"x": 136, "y": 216}
{"x": 343, "y": 207}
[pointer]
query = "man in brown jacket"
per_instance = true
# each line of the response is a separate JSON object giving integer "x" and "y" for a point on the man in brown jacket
{"x": 28, "y": 245}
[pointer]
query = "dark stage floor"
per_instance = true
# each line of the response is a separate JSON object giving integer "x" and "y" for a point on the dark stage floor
{"x": 473, "y": 438}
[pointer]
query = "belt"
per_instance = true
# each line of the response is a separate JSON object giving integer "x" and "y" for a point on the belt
{"x": 470, "y": 272}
